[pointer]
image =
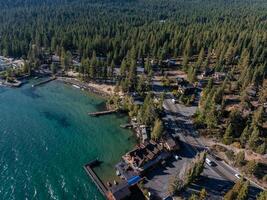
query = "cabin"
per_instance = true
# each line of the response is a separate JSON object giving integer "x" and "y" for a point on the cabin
{"x": 202, "y": 83}
{"x": 55, "y": 59}
{"x": 170, "y": 62}
{"x": 181, "y": 81}
{"x": 219, "y": 76}
{"x": 184, "y": 87}
{"x": 206, "y": 73}
{"x": 187, "y": 89}
{"x": 140, "y": 70}
{"x": 251, "y": 92}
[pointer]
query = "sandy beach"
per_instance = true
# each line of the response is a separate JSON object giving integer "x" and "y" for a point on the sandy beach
{"x": 101, "y": 89}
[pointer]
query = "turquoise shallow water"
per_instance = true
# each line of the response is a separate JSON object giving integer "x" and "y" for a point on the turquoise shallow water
{"x": 46, "y": 137}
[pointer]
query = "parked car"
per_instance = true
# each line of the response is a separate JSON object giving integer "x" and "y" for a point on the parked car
{"x": 209, "y": 162}
{"x": 177, "y": 157}
{"x": 238, "y": 176}
{"x": 174, "y": 100}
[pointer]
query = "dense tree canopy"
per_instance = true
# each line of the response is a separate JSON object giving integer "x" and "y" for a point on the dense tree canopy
{"x": 225, "y": 35}
{"x": 115, "y": 26}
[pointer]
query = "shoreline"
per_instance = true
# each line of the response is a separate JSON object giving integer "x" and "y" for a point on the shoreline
{"x": 102, "y": 90}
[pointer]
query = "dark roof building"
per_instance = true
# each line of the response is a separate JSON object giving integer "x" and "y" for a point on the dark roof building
{"x": 120, "y": 191}
{"x": 145, "y": 156}
{"x": 170, "y": 144}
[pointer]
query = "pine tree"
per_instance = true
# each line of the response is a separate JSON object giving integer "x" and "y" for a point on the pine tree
{"x": 228, "y": 135}
{"x": 157, "y": 130}
{"x": 244, "y": 136}
{"x": 254, "y": 137}
{"x": 200, "y": 58}
{"x": 240, "y": 158}
{"x": 262, "y": 195}
{"x": 203, "y": 194}
{"x": 243, "y": 192}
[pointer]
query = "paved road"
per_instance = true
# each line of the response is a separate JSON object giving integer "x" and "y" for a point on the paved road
{"x": 217, "y": 180}
{"x": 222, "y": 174}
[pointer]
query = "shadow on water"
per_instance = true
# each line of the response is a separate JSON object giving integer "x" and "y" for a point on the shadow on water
{"x": 59, "y": 119}
{"x": 31, "y": 92}
{"x": 100, "y": 106}
{"x": 120, "y": 115}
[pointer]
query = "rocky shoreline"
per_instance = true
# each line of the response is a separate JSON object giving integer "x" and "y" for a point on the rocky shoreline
{"x": 83, "y": 86}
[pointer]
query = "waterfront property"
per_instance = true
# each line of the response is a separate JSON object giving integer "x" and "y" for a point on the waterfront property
{"x": 125, "y": 189}
{"x": 116, "y": 192}
{"x": 145, "y": 156}
{"x": 10, "y": 63}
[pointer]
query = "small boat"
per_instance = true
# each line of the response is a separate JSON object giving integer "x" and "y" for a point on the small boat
{"x": 76, "y": 86}
{"x": 115, "y": 182}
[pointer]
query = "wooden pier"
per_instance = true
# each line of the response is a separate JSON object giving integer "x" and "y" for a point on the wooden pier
{"x": 126, "y": 126}
{"x": 96, "y": 114}
{"x": 100, "y": 185}
{"x": 116, "y": 192}
{"x": 43, "y": 82}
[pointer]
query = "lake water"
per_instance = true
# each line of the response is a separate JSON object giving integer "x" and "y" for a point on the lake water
{"x": 46, "y": 136}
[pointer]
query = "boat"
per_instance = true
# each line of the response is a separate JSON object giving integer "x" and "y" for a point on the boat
{"x": 76, "y": 86}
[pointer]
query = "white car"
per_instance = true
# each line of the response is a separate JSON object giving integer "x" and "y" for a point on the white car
{"x": 209, "y": 162}
{"x": 238, "y": 176}
{"x": 177, "y": 157}
{"x": 174, "y": 101}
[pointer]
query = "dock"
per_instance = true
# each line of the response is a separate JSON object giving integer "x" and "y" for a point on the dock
{"x": 118, "y": 192}
{"x": 43, "y": 82}
{"x": 126, "y": 126}
{"x": 96, "y": 114}
{"x": 100, "y": 185}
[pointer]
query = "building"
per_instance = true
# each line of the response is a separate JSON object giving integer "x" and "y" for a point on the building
{"x": 142, "y": 132}
{"x": 184, "y": 87}
{"x": 145, "y": 156}
{"x": 170, "y": 144}
{"x": 202, "y": 83}
{"x": 125, "y": 171}
{"x": 119, "y": 192}
{"x": 251, "y": 91}
{"x": 207, "y": 72}
{"x": 219, "y": 76}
